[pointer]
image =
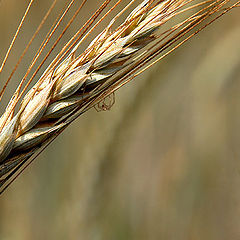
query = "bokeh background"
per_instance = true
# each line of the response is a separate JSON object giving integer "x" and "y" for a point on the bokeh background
{"x": 162, "y": 164}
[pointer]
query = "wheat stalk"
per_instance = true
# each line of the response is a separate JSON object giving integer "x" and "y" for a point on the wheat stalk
{"x": 73, "y": 84}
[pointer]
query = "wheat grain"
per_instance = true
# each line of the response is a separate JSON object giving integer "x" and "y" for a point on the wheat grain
{"x": 71, "y": 87}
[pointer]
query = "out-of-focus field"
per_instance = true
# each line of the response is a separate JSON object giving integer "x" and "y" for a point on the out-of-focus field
{"x": 163, "y": 164}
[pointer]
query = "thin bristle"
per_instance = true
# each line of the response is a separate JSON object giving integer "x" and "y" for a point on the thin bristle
{"x": 15, "y": 36}
{"x": 27, "y": 47}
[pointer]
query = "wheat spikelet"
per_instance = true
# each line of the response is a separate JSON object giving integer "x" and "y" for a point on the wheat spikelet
{"x": 73, "y": 84}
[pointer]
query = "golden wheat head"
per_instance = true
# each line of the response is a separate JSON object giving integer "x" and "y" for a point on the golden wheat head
{"x": 73, "y": 83}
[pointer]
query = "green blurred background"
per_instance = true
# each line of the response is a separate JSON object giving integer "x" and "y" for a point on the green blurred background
{"x": 163, "y": 164}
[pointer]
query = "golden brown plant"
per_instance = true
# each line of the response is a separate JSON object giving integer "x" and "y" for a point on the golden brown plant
{"x": 72, "y": 84}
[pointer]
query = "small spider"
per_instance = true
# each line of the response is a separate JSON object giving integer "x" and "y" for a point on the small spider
{"x": 106, "y": 104}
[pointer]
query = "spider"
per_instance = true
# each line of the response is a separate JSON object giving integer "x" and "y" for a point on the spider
{"x": 106, "y": 104}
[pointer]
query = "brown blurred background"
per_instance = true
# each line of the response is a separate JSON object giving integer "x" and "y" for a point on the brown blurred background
{"x": 162, "y": 164}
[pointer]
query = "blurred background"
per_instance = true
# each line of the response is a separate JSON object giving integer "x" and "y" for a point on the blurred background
{"x": 163, "y": 163}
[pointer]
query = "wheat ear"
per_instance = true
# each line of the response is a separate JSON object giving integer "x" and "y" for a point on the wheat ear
{"x": 69, "y": 88}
